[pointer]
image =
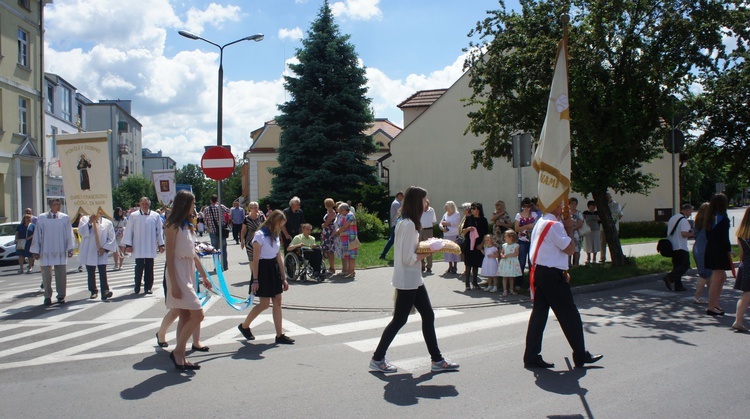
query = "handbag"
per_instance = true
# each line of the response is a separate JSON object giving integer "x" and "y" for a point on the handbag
{"x": 21, "y": 244}
{"x": 354, "y": 244}
{"x": 664, "y": 246}
{"x": 584, "y": 230}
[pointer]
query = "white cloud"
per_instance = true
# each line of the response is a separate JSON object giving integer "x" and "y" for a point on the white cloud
{"x": 214, "y": 15}
{"x": 357, "y": 9}
{"x": 295, "y": 34}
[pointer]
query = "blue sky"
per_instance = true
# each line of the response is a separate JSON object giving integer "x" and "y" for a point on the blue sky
{"x": 131, "y": 50}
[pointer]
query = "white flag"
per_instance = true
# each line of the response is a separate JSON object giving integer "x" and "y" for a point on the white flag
{"x": 552, "y": 157}
{"x": 164, "y": 183}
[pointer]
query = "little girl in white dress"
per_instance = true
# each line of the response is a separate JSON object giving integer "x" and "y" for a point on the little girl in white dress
{"x": 490, "y": 263}
{"x": 509, "y": 267}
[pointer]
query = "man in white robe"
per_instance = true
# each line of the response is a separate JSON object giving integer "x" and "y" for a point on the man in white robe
{"x": 97, "y": 241}
{"x": 53, "y": 244}
{"x": 143, "y": 236}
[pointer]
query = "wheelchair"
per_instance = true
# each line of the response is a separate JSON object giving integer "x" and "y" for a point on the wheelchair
{"x": 297, "y": 267}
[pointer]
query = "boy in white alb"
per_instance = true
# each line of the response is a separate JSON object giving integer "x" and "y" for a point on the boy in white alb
{"x": 53, "y": 244}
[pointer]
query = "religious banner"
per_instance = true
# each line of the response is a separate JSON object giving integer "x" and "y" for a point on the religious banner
{"x": 552, "y": 157}
{"x": 85, "y": 165}
{"x": 164, "y": 183}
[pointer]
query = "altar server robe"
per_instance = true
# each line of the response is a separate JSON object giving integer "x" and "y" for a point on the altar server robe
{"x": 144, "y": 234}
{"x": 88, "y": 254}
{"x": 53, "y": 239}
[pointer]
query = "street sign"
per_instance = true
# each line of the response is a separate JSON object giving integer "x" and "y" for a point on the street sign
{"x": 217, "y": 163}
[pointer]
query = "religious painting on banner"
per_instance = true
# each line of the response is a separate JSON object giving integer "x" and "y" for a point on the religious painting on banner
{"x": 164, "y": 183}
{"x": 85, "y": 165}
{"x": 552, "y": 157}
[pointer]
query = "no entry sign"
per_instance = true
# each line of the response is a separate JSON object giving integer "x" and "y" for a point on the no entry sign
{"x": 217, "y": 163}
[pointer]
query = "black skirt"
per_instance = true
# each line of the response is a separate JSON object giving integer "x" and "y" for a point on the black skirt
{"x": 270, "y": 283}
{"x": 718, "y": 247}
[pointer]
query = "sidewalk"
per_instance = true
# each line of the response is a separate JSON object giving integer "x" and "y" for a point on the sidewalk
{"x": 371, "y": 290}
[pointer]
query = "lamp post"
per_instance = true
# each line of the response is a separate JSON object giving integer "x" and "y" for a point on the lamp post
{"x": 257, "y": 38}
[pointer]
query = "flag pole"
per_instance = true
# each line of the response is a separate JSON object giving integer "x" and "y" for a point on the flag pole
{"x": 565, "y": 18}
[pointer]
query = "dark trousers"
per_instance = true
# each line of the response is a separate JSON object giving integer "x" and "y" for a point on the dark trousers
{"x": 315, "y": 257}
{"x": 552, "y": 291}
{"x": 215, "y": 243}
{"x": 144, "y": 265}
{"x": 389, "y": 243}
{"x": 236, "y": 229}
{"x": 405, "y": 300}
{"x": 91, "y": 271}
{"x": 680, "y": 265}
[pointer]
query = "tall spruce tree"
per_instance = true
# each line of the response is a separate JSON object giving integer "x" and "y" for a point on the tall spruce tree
{"x": 323, "y": 150}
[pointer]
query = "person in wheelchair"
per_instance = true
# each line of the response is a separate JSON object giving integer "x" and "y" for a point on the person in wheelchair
{"x": 305, "y": 245}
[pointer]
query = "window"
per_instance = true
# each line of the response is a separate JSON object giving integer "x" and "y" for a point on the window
{"x": 66, "y": 104}
{"x": 24, "y": 4}
{"x": 23, "y": 116}
{"x": 23, "y": 48}
{"x": 50, "y": 98}
{"x": 54, "y": 141}
{"x": 79, "y": 121}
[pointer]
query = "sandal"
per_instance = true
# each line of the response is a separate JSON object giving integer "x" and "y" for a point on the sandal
{"x": 505, "y": 293}
{"x": 699, "y": 301}
{"x": 740, "y": 328}
{"x": 513, "y": 292}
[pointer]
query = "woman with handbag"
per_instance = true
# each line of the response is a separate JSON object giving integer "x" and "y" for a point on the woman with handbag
{"x": 349, "y": 241}
{"x": 24, "y": 234}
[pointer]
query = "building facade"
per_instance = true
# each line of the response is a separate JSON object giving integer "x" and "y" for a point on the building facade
{"x": 155, "y": 161}
{"x": 21, "y": 107}
{"x": 125, "y": 138}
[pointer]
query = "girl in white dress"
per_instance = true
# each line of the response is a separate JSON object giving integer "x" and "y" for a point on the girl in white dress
{"x": 489, "y": 264}
{"x": 509, "y": 265}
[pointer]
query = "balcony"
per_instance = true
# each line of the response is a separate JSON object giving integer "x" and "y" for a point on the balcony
{"x": 124, "y": 149}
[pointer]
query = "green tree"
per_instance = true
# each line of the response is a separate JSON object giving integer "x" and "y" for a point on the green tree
{"x": 192, "y": 174}
{"x": 626, "y": 60}
{"x": 232, "y": 186}
{"x": 323, "y": 148}
{"x": 131, "y": 190}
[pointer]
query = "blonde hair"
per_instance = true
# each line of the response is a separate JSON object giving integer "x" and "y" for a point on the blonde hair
{"x": 512, "y": 233}
{"x": 328, "y": 203}
{"x": 488, "y": 236}
{"x": 743, "y": 231}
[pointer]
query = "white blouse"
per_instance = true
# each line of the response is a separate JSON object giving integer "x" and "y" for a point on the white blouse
{"x": 269, "y": 246}
{"x": 407, "y": 274}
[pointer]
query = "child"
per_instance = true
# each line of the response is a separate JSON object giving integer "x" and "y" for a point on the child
{"x": 509, "y": 267}
{"x": 489, "y": 264}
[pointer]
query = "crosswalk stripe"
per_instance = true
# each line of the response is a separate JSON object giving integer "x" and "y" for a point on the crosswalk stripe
{"x": 51, "y": 341}
{"x": 130, "y": 310}
{"x": 107, "y": 339}
{"x": 367, "y": 345}
{"x": 33, "y": 332}
{"x": 359, "y": 326}
{"x": 63, "y": 312}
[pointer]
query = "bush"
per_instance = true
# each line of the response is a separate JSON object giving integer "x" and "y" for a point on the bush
{"x": 369, "y": 226}
{"x": 648, "y": 229}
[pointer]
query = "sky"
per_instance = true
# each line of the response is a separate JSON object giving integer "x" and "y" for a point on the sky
{"x": 115, "y": 49}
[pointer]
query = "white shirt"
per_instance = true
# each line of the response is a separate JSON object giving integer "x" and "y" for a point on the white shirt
{"x": 53, "y": 239}
{"x": 395, "y": 206}
{"x": 144, "y": 234}
{"x": 678, "y": 242}
{"x": 551, "y": 252}
{"x": 88, "y": 254}
{"x": 453, "y": 220}
{"x": 407, "y": 273}
{"x": 428, "y": 219}
{"x": 269, "y": 246}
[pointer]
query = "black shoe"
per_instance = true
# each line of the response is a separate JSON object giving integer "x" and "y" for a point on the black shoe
{"x": 588, "y": 359}
{"x": 61, "y": 301}
{"x": 382, "y": 257}
{"x": 48, "y": 301}
{"x": 174, "y": 361}
{"x": 106, "y": 295}
{"x": 94, "y": 295}
{"x": 246, "y": 332}
{"x": 714, "y": 313}
{"x": 137, "y": 289}
{"x": 667, "y": 282}
{"x": 679, "y": 288}
{"x": 284, "y": 340}
{"x": 148, "y": 292}
{"x": 192, "y": 367}
{"x": 200, "y": 348}
{"x": 539, "y": 363}
{"x": 161, "y": 344}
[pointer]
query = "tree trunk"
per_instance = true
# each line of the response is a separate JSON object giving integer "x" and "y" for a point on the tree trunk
{"x": 608, "y": 225}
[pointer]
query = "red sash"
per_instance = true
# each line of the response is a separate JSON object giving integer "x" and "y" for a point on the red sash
{"x": 536, "y": 253}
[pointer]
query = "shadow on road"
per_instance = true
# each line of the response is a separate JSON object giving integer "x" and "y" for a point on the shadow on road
{"x": 169, "y": 377}
{"x": 404, "y": 389}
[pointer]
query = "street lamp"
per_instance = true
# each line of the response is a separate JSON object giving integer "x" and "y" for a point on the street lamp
{"x": 257, "y": 38}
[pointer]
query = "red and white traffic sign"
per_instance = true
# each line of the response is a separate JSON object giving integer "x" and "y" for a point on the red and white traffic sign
{"x": 217, "y": 163}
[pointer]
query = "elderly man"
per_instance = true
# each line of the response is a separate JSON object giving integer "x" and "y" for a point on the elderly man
{"x": 214, "y": 219}
{"x": 53, "y": 244}
{"x": 294, "y": 220}
{"x": 143, "y": 237}
{"x": 678, "y": 232}
{"x": 97, "y": 242}
{"x": 551, "y": 246}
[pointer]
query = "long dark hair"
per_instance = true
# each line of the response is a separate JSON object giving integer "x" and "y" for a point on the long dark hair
{"x": 182, "y": 209}
{"x": 413, "y": 207}
{"x": 478, "y": 206}
{"x": 716, "y": 206}
{"x": 118, "y": 214}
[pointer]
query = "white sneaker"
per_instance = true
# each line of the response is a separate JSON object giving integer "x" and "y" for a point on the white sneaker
{"x": 444, "y": 365}
{"x": 383, "y": 366}
{"x": 494, "y": 289}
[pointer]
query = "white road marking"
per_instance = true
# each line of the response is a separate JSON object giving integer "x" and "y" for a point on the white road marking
{"x": 359, "y": 326}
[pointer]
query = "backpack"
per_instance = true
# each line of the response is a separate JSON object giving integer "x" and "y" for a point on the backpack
{"x": 664, "y": 246}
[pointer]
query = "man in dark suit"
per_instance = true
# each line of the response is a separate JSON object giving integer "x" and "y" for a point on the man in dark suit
{"x": 549, "y": 255}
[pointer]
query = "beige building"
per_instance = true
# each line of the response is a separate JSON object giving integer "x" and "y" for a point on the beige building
{"x": 263, "y": 155}
{"x": 21, "y": 107}
{"x": 432, "y": 151}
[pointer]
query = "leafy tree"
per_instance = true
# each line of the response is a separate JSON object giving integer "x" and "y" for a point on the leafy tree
{"x": 232, "y": 186}
{"x": 626, "y": 59}
{"x": 131, "y": 190}
{"x": 192, "y": 174}
{"x": 323, "y": 150}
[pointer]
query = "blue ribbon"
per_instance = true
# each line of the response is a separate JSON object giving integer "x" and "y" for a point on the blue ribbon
{"x": 222, "y": 290}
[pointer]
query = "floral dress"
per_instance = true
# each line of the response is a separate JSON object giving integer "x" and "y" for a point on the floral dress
{"x": 348, "y": 236}
{"x": 498, "y": 230}
{"x": 328, "y": 240}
